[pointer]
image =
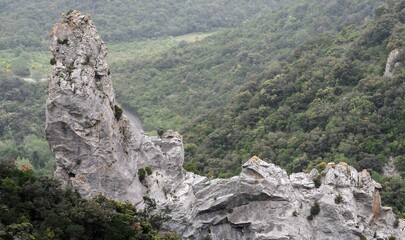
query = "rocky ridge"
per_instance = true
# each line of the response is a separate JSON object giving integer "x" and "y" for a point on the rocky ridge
{"x": 98, "y": 150}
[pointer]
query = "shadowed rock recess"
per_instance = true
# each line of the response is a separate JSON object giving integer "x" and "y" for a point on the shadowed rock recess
{"x": 98, "y": 150}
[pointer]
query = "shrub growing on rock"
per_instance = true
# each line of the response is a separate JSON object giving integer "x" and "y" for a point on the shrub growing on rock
{"x": 117, "y": 112}
{"x": 338, "y": 199}
{"x": 315, "y": 209}
{"x": 141, "y": 174}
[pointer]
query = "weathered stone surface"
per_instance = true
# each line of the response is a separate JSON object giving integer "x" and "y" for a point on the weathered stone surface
{"x": 394, "y": 59}
{"x": 99, "y": 151}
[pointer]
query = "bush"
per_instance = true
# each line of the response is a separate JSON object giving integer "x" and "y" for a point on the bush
{"x": 362, "y": 237}
{"x": 40, "y": 207}
{"x": 148, "y": 170}
{"x": 400, "y": 163}
{"x": 338, "y": 199}
{"x": 117, "y": 112}
{"x": 321, "y": 166}
{"x": 141, "y": 174}
{"x": 318, "y": 181}
{"x": 315, "y": 209}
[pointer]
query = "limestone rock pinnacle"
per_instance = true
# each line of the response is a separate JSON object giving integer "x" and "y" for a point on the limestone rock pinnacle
{"x": 98, "y": 150}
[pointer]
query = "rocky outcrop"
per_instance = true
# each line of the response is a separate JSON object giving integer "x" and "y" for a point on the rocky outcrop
{"x": 389, "y": 169}
{"x": 98, "y": 150}
{"x": 395, "y": 58}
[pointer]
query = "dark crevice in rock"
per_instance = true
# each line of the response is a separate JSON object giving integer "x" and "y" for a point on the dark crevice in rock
{"x": 236, "y": 201}
{"x": 64, "y": 41}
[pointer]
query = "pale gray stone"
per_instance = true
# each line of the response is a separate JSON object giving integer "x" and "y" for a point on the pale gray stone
{"x": 394, "y": 59}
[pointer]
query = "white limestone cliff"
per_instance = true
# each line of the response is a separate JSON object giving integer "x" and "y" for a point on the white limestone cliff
{"x": 99, "y": 151}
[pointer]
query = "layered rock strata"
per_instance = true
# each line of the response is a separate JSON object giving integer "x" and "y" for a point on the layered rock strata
{"x": 98, "y": 150}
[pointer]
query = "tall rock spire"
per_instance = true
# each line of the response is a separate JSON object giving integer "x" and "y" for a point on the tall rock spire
{"x": 96, "y": 148}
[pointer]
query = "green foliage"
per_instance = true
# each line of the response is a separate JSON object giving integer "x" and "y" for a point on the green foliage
{"x": 362, "y": 237}
{"x": 38, "y": 208}
{"x": 148, "y": 170}
{"x": 400, "y": 163}
{"x": 254, "y": 91}
{"x": 318, "y": 180}
{"x": 187, "y": 81}
{"x": 321, "y": 166}
{"x": 21, "y": 125}
{"x": 315, "y": 209}
{"x": 21, "y": 66}
{"x": 117, "y": 112}
{"x": 396, "y": 223}
{"x": 393, "y": 193}
{"x": 141, "y": 174}
{"x": 323, "y": 104}
{"x": 126, "y": 20}
{"x": 339, "y": 199}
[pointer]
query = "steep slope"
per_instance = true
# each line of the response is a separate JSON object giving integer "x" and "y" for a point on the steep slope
{"x": 330, "y": 102}
{"x": 98, "y": 150}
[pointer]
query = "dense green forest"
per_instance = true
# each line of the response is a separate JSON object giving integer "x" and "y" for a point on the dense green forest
{"x": 28, "y": 23}
{"x": 191, "y": 79}
{"x": 328, "y": 102}
{"x": 34, "y": 207}
{"x": 22, "y": 121}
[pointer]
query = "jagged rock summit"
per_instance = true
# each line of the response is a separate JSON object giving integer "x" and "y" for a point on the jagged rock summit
{"x": 98, "y": 150}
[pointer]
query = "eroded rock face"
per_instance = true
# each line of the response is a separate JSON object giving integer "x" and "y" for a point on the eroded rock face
{"x": 394, "y": 59}
{"x": 98, "y": 150}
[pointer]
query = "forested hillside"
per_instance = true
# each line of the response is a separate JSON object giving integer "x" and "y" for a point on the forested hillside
{"x": 28, "y": 23}
{"x": 184, "y": 82}
{"x": 330, "y": 102}
{"x": 22, "y": 121}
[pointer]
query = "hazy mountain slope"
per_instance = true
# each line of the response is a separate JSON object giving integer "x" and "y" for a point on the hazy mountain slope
{"x": 191, "y": 79}
{"x": 28, "y": 23}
